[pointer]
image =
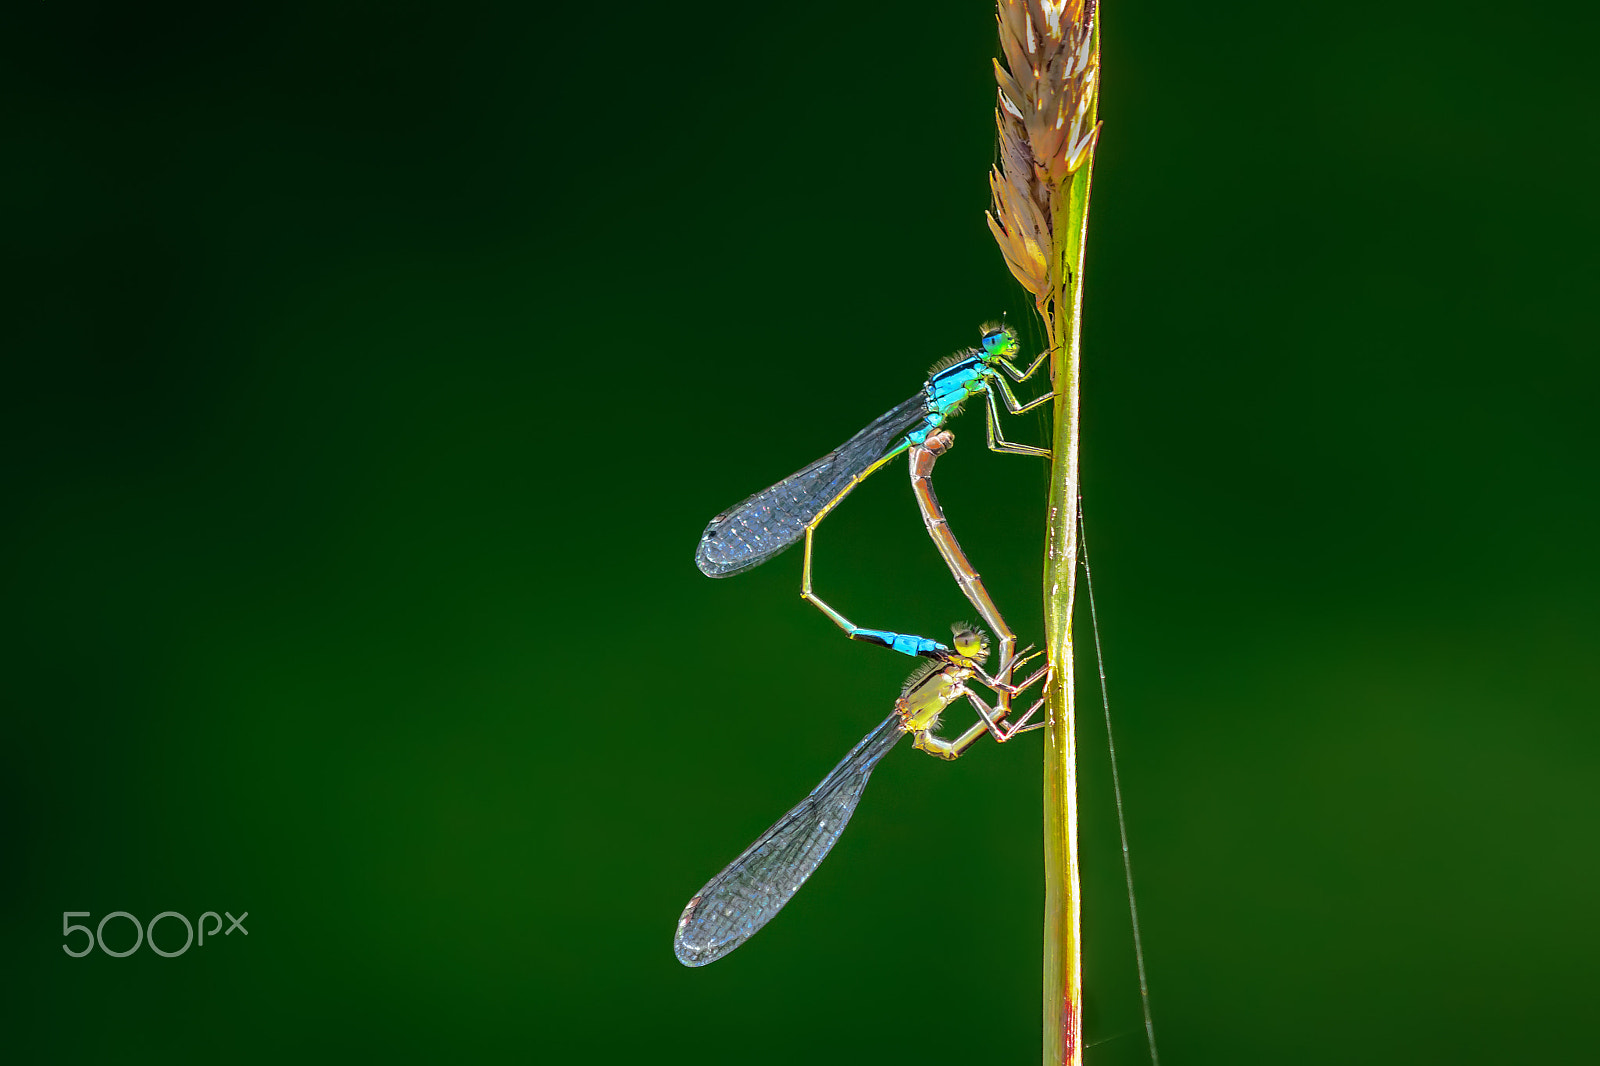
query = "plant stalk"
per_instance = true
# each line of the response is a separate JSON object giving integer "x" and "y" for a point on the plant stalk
{"x": 1046, "y": 117}
{"x": 1063, "y": 954}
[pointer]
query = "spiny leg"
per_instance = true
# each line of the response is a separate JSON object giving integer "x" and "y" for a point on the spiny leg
{"x": 1004, "y": 731}
{"x": 1019, "y": 376}
{"x": 925, "y": 740}
{"x": 997, "y": 439}
{"x": 1014, "y": 405}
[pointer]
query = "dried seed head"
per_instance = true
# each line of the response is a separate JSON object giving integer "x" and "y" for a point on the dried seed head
{"x": 1045, "y": 116}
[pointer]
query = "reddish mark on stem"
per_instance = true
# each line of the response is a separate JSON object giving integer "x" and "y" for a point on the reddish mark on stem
{"x": 1069, "y": 1028}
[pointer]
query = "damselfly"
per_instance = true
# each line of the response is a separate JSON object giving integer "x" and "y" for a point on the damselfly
{"x": 773, "y": 520}
{"x": 735, "y": 904}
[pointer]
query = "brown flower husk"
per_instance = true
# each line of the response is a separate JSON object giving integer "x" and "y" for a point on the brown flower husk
{"x": 1045, "y": 114}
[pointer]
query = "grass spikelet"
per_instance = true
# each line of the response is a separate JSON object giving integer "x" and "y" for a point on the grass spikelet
{"x": 1048, "y": 127}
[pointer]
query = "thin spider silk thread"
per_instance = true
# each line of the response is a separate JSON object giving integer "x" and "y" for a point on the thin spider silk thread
{"x": 1116, "y": 787}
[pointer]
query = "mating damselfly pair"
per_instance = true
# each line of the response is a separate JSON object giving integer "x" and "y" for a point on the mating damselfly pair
{"x": 746, "y": 895}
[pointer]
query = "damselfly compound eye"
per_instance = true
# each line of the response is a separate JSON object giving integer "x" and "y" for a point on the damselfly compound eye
{"x": 999, "y": 341}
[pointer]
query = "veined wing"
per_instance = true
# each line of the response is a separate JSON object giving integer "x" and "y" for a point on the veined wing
{"x": 753, "y": 888}
{"x": 772, "y": 520}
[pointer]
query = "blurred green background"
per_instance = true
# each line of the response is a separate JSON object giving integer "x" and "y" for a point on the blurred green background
{"x": 376, "y": 367}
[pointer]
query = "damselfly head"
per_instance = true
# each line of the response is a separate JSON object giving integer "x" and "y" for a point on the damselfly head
{"x": 970, "y": 642}
{"x": 999, "y": 341}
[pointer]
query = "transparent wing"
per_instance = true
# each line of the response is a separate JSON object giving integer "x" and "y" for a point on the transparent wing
{"x": 753, "y": 888}
{"x": 771, "y": 521}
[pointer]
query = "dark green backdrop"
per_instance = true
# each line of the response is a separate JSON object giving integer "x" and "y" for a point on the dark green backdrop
{"x": 376, "y": 367}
